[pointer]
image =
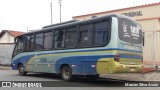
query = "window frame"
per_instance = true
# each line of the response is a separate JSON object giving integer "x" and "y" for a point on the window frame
{"x": 35, "y": 41}
{"x": 108, "y": 31}
{"x": 93, "y": 33}
{"x": 57, "y": 48}
{"x": 76, "y": 38}
{"x": 90, "y": 36}
{"x": 52, "y": 34}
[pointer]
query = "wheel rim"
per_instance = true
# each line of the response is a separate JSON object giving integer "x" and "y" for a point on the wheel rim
{"x": 21, "y": 69}
{"x": 66, "y": 73}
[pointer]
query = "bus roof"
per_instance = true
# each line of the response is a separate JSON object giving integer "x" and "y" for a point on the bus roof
{"x": 74, "y": 22}
{"x": 47, "y": 26}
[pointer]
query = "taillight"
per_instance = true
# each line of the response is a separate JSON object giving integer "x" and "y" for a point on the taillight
{"x": 116, "y": 57}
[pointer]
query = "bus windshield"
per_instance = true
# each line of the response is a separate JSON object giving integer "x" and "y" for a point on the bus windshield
{"x": 129, "y": 31}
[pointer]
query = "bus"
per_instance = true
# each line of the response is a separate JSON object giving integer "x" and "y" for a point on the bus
{"x": 108, "y": 44}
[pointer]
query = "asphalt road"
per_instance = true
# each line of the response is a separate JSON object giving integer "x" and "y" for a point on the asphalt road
{"x": 12, "y": 75}
{"x": 82, "y": 84}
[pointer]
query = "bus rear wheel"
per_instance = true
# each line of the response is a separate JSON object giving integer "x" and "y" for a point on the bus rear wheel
{"x": 21, "y": 70}
{"x": 66, "y": 72}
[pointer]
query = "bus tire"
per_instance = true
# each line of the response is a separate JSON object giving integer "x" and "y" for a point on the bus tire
{"x": 21, "y": 70}
{"x": 66, "y": 72}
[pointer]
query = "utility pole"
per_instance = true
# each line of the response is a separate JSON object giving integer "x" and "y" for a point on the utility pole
{"x": 60, "y": 3}
{"x": 51, "y": 11}
{"x": 27, "y": 29}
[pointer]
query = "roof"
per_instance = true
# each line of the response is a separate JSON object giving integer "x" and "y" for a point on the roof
{"x": 13, "y": 33}
{"x": 60, "y": 23}
{"x": 112, "y": 11}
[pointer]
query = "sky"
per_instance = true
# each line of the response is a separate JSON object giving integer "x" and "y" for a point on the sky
{"x": 19, "y": 14}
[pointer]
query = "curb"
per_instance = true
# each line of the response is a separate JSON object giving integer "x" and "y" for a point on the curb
{"x": 5, "y": 67}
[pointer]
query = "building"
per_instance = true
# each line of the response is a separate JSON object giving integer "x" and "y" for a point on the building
{"x": 7, "y": 36}
{"x": 7, "y": 45}
{"x": 149, "y": 17}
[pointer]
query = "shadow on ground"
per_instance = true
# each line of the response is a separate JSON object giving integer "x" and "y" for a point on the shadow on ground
{"x": 79, "y": 82}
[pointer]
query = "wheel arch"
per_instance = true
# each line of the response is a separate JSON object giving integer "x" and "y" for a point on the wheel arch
{"x": 18, "y": 64}
{"x": 62, "y": 65}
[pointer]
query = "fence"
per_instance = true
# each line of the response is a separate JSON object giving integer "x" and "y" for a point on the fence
{"x": 6, "y": 50}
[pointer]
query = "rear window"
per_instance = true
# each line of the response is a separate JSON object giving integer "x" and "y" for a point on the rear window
{"x": 129, "y": 31}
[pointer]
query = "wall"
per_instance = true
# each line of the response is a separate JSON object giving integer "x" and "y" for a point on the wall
{"x": 150, "y": 25}
{"x": 6, "y": 55}
{"x": 147, "y": 12}
{"x": 7, "y": 38}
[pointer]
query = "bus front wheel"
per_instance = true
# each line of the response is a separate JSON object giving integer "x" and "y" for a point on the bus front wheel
{"x": 21, "y": 70}
{"x": 66, "y": 72}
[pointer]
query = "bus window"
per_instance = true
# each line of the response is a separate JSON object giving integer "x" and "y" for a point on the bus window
{"x": 39, "y": 41}
{"x": 59, "y": 39}
{"x": 70, "y": 39}
{"x": 32, "y": 43}
{"x": 28, "y": 43}
{"x": 101, "y": 33}
{"x": 48, "y": 40}
{"x": 20, "y": 46}
{"x": 86, "y": 35}
{"x": 129, "y": 31}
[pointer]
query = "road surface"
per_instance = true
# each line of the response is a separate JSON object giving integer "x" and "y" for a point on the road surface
{"x": 101, "y": 84}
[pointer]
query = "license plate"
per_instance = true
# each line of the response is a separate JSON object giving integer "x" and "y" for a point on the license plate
{"x": 132, "y": 69}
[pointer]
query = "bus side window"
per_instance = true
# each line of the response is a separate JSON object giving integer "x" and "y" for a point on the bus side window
{"x": 20, "y": 46}
{"x": 86, "y": 32}
{"x": 32, "y": 44}
{"x": 59, "y": 39}
{"x": 39, "y": 41}
{"x": 70, "y": 38}
{"x": 101, "y": 33}
{"x": 48, "y": 40}
{"x": 28, "y": 43}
